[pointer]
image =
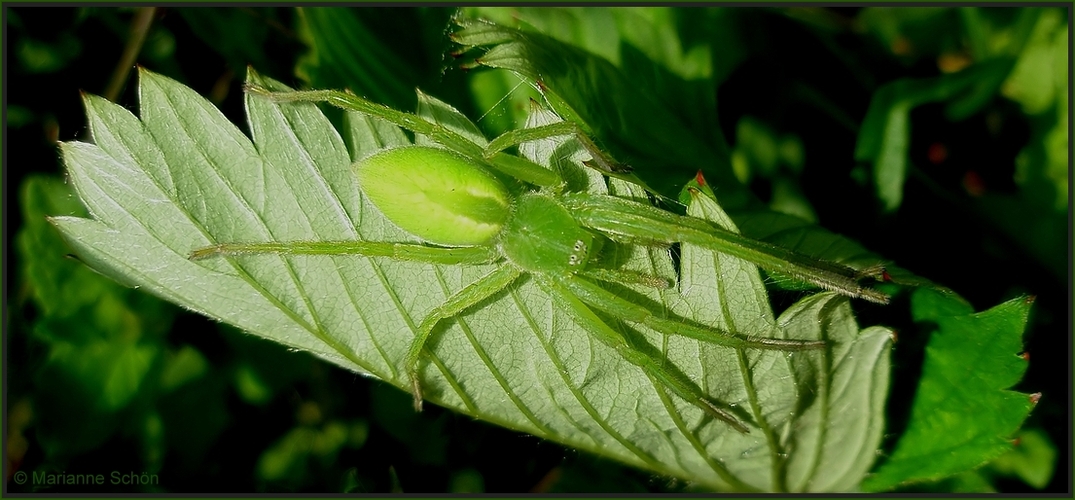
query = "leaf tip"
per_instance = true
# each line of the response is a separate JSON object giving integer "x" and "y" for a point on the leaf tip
{"x": 1034, "y": 398}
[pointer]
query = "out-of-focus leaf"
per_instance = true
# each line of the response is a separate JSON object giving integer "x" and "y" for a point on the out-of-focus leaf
{"x": 286, "y": 460}
{"x": 467, "y": 481}
{"x": 183, "y": 366}
{"x": 194, "y": 414}
{"x": 1033, "y": 459}
{"x": 630, "y": 117}
{"x": 46, "y": 270}
{"x": 963, "y": 414}
{"x": 109, "y": 373}
{"x": 759, "y": 143}
{"x": 239, "y": 35}
{"x": 885, "y": 135}
{"x": 1036, "y": 216}
{"x": 344, "y": 53}
{"x": 789, "y": 199}
{"x": 18, "y": 116}
{"x": 654, "y": 45}
{"x": 250, "y": 387}
{"x": 1039, "y": 229}
{"x": 884, "y": 138}
{"x": 274, "y": 369}
{"x": 1033, "y": 82}
{"x": 101, "y": 337}
{"x": 999, "y": 62}
{"x": 607, "y": 33}
{"x": 376, "y": 55}
{"x": 422, "y": 435}
{"x": 504, "y": 98}
{"x": 760, "y": 152}
{"x": 1042, "y": 90}
{"x": 910, "y": 32}
{"x": 41, "y": 57}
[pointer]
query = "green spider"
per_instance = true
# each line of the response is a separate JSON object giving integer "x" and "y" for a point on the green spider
{"x": 449, "y": 199}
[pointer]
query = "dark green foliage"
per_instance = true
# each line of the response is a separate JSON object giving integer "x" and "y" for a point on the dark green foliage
{"x": 775, "y": 106}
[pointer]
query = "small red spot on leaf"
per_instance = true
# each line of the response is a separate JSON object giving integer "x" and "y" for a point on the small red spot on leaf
{"x": 887, "y": 278}
{"x": 973, "y": 183}
{"x": 895, "y": 335}
{"x": 1025, "y": 355}
{"x": 1017, "y": 442}
{"x": 699, "y": 178}
{"x": 951, "y": 62}
{"x": 1034, "y": 398}
{"x": 937, "y": 153}
{"x": 901, "y": 46}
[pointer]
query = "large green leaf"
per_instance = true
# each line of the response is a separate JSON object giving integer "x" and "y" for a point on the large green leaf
{"x": 182, "y": 177}
{"x": 963, "y": 414}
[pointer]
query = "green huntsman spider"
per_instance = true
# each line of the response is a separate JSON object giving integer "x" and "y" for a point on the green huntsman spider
{"x": 448, "y": 198}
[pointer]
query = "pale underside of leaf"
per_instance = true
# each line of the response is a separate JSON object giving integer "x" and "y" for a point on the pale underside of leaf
{"x": 183, "y": 177}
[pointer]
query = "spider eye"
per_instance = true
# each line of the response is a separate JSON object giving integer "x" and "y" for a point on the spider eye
{"x": 579, "y": 255}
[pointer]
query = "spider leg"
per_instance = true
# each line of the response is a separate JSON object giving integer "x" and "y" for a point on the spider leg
{"x": 604, "y": 300}
{"x": 520, "y": 168}
{"x": 599, "y": 160}
{"x": 602, "y": 161}
{"x": 649, "y": 363}
{"x": 459, "y": 302}
{"x": 619, "y": 217}
{"x": 397, "y": 251}
{"x": 627, "y": 277}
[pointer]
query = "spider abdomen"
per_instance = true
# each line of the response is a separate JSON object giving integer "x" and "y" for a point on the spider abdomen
{"x": 436, "y": 195}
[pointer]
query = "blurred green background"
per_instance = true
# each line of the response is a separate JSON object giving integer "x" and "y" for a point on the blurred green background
{"x": 937, "y": 137}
